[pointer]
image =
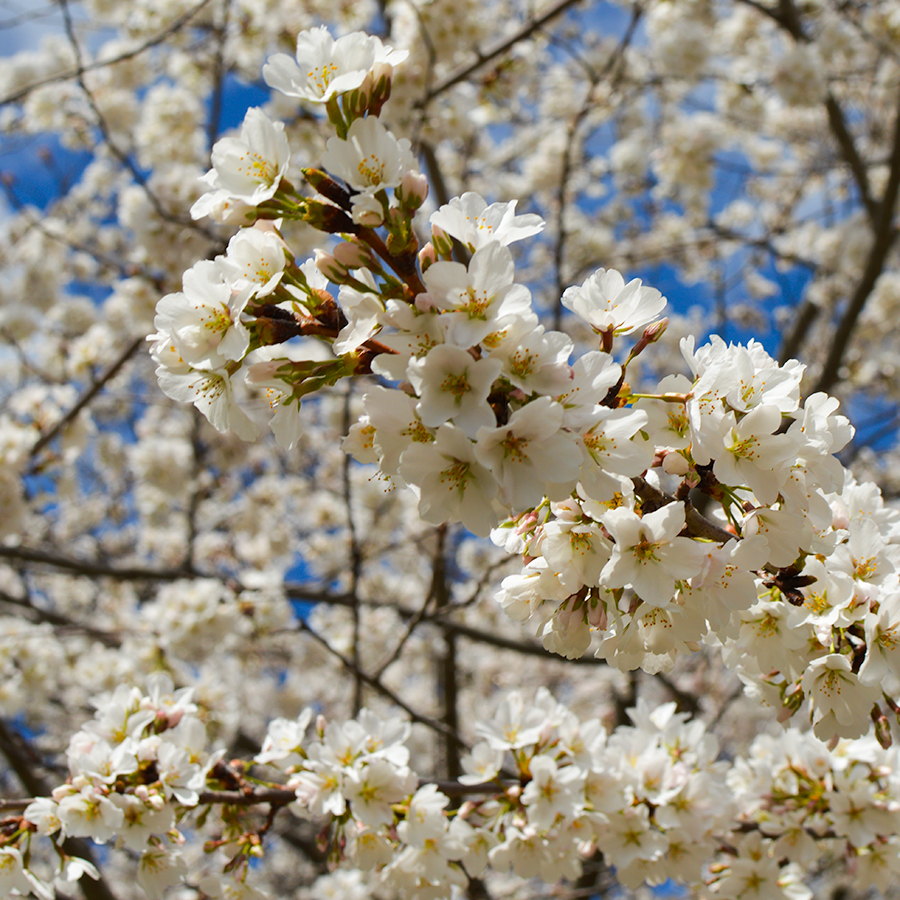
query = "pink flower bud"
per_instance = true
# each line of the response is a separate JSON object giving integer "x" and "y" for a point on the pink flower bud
{"x": 352, "y": 255}
{"x": 413, "y": 190}
{"x": 427, "y": 256}
{"x": 330, "y": 267}
{"x": 443, "y": 244}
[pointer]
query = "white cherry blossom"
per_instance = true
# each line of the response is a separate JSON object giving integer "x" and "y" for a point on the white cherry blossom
{"x": 370, "y": 158}
{"x": 529, "y": 455}
{"x": 248, "y": 168}
{"x": 608, "y": 304}
{"x": 324, "y": 67}
{"x": 474, "y": 223}
{"x": 454, "y": 386}
{"x": 648, "y": 554}
{"x": 452, "y": 484}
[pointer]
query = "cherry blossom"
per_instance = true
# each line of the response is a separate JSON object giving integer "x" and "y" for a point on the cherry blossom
{"x": 325, "y": 67}
{"x": 475, "y": 223}
{"x": 248, "y": 169}
{"x": 607, "y": 304}
{"x": 682, "y": 514}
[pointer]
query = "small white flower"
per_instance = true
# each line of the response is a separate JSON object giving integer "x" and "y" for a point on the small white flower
{"x": 90, "y": 813}
{"x": 370, "y": 158}
{"x": 453, "y": 485}
{"x": 212, "y": 393}
{"x": 255, "y": 261}
{"x": 12, "y": 873}
{"x": 284, "y": 737}
{"x": 840, "y": 703}
{"x": 648, "y": 554}
{"x": 754, "y": 454}
{"x": 607, "y": 304}
{"x": 202, "y": 323}
{"x": 476, "y": 298}
{"x": 373, "y": 789}
{"x": 453, "y": 385}
{"x": 473, "y": 223}
{"x": 530, "y": 455}
{"x": 248, "y": 168}
{"x": 553, "y": 792}
{"x": 325, "y": 67}
{"x": 363, "y": 310}
{"x": 158, "y": 870}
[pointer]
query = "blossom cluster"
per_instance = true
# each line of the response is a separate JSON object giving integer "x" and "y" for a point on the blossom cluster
{"x": 142, "y": 756}
{"x": 624, "y": 139}
{"x": 480, "y": 411}
{"x": 542, "y": 791}
{"x": 545, "y": 791}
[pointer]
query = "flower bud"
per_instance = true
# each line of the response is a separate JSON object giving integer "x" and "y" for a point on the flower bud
{"x": 378, "y": 85}
{"x": 367, "y": 211}
{"x": 323, "y": 183}
{"x": 328, "y": 218}
{"x": 882, "y": 728}
{"x": 330, "y": 267}
{"x": 353, "y": 255}
{"x": 427, "y": 256}
{"x": 413, "y": 190}
{"x": 443, "y": 244}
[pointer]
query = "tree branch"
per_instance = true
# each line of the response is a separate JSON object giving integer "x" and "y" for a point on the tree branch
{"x": 85, "y": 398}
{"x": 884, "y": 237}
{"x": 499, "y": 49}
{"x": 65, "y": 75}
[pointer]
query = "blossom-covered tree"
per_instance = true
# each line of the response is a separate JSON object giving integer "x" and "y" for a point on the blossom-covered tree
{"x": 374, "y": 526}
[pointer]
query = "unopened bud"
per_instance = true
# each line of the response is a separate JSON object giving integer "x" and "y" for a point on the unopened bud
{"x": 323, "y": 183}
{"x": 330, "y": 267}
{"x": 367, "y": 211}
{"x": 882, "y": 727}
{"x": 652, "y": 333}
{"x": 427, "y": 256}
{"x": 328, "y": 218}
{"x": 353, "y": 254}
{"x": 380, "y": 91}
{"x": 443, "y": 243}
{"x": 413, "y": 190}
{"x": 596, "y": 615}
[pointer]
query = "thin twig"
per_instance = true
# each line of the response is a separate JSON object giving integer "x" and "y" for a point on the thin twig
{"x": 65, "y": 75}
{"x": 86, "y": 398}
{"x": 421, "y": 718}
{"x": 528, "y": 29}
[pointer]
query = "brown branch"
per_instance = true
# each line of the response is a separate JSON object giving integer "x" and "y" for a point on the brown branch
{"x": 383, "y": 689}
{"x": 884, "y": 237}
{"x": 698, "y": 525}
{"x": 86, "y": 398}
{"x": 92, "y": 568}
{"x": 294, "y": 591}
{"x": 163, "y": 35}
{"x": 499, "y": 49}
{"x": 278, "y": 796}
{"x": 60, "y": 623}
